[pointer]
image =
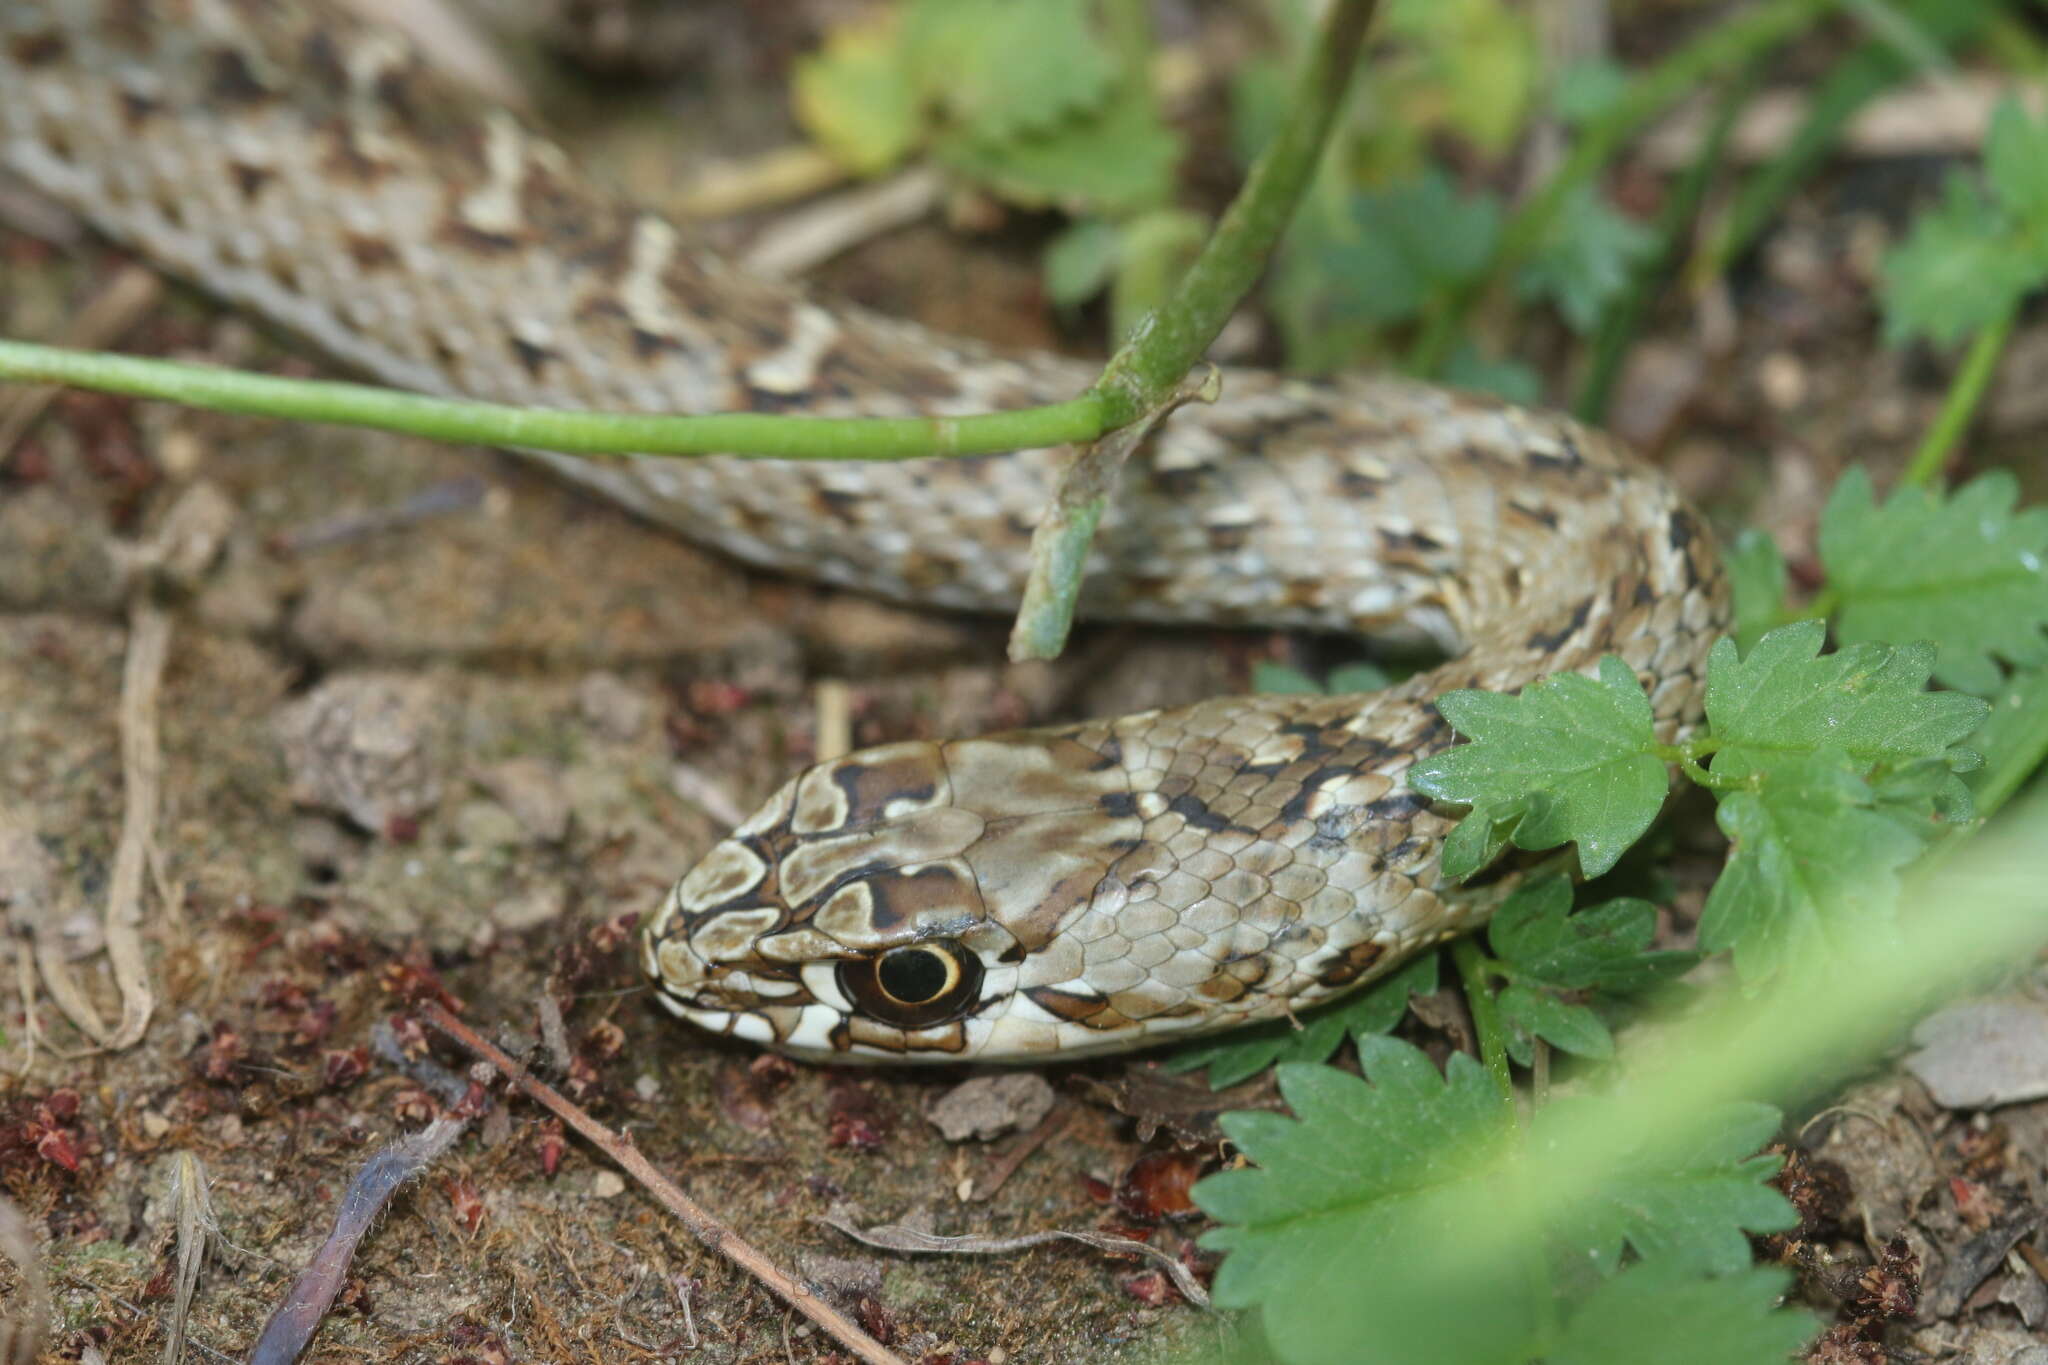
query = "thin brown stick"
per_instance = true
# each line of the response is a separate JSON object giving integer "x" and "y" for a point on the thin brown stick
{"x": 714, "y": 1235}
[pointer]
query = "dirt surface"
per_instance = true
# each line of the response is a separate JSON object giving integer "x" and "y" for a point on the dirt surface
{"x": 430, "y": 718}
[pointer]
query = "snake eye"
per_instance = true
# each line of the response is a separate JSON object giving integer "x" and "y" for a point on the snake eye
{"x": 915, "y": 986}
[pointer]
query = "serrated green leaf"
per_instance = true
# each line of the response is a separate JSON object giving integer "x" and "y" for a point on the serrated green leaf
{"x": 1336, "y": 1236}
{"x": 1866, "y": 701}
{"x": 1964, "y": 570}
{"x": 1374, "y": 1010}
{"x": 1689, "y": 1206}
{"x": 1585, "y": 258}
{"x": 1603, "y": 947}
{"x": 2013, "y": 737}
{"x": 2016, "y": 163}
{"x": 1470, "y": 65}
{"x": 1116, "y": 159}
{"x": 1573, "y": 757}
{"x": 1960, "y": 269}
{"x": 1001, "y": 71}
{"x": 854, "y": 100}
{"x": 1476, "y": 841}
{"x": 1814, "y": 863}
{"x": 1659, "y": 1313}
{"x": 1530, "y": 1012}
{"x": 1756, "y": 578}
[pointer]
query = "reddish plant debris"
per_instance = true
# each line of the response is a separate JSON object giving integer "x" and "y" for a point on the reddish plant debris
{"x": 552, "y": 1144}
{"x": 341, "y": 1068}
{"x": 851, "y": 1119}
{"x": 712, "y": 697}
{"x": 1979, "y": 1206}
{"x": 875, "y": 1319}
{"x": 1841, "y": 1345}
{"x": 742, "y": 1098}
{"x": 1891, "y": 1288}
{"x": 1149, "y": 1287}
{"x": 1817, "y": 1189}
{"x": 467, "y": 1202}
{"x": 581, "y": 1083}
{"x": 410, "y": 1035}
{"x": 412, "y": 1105}
{"x": 417, "y": 986}
{"x": 1156, "y": 1186}
{"x": 1098, "y": 1189}
{"x": 402, "y": 829}
{"x": 479, "y": 1345}
{"x": 604, "y": 1040}
{"x": 223, "y": 1054}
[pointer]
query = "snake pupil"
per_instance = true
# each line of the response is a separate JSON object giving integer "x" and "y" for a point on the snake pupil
{"x": 914, "y": 975}
{"x": 919, "y": 985}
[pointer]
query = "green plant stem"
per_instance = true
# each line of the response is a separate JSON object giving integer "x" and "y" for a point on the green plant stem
{"x": 580, "y": 433}
{"x": 1724, "y": 46}
{"x": 1473, "y": 970}
{"x": 1620, "y": 323}
{"x": 1163, "y": 348}
{"x": 1144, "y": 379}
{"x": 1853, "y": 83}
{"x": 1965, "y": 392}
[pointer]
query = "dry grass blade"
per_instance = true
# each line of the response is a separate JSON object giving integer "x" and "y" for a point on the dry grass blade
{"x": 103, "y": 321}
{"x": 149, "y": 645}
{"x": 895, "y": 1237}
{"x": 195, "y": 1229}
{"x": 22, "y": 1330}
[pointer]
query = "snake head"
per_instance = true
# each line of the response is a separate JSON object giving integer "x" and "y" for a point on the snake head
{"x": 879, "y": 906}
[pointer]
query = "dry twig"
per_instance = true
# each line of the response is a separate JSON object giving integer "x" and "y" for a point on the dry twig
{"x": 714, "y": 1235}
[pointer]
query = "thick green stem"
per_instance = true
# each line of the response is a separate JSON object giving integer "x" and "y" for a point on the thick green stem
{"x": 1493, "y": 1038}
{"x": 577, "y": 433}
{"x": 1722, "y": 47}
{"x": 1965, "y": 392}
{"x": 1151, "y": 365}
{"x": 1145, "y": 378}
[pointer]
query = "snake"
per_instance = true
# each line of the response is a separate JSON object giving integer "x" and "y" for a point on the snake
{"x": 1033, "y": 896}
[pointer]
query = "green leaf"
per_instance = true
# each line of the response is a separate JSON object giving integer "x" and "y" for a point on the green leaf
{"x": 1358, "y": 677}
{"x": 854, "y": 99}
{"x": 1530, "y": 1012}
{"x": 1005, "y": 71}
{"x": 1756, "y": 576}
{"x": 1585, "y": 258}
{"x": 1963, "y": 570}
{"x": 1569, "y": 759}
{"x": 1080, "y": 261}
{"x": 1657, "y": 1314}
{"x": 1603, "y": 947}
{"x": 1814, "y": 865}
{"x": 1246, "y": 1052}
{"x": 1279, "y": 679}
{"x": 1687, "y": 1206}
{"x": 1585, "y": 90}
{"x": 2014, "y": 737}
{"x": 1337, "y": 1236}
{"x": 1468, "y": 367}
{"x": 1960, "y": 269}
{"x": 1867, "y": 701}
{"x": 2016, "y": 163}
{"x": 1118, "y": 159}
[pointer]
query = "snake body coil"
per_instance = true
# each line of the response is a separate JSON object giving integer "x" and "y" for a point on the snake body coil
{"x": 1043, "y": 893}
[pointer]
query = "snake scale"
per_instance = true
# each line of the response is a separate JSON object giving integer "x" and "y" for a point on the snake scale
{"x": 1029, "y": 896}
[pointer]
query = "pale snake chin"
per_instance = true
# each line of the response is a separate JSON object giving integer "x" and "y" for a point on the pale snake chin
{"x": 1026, "y": 897}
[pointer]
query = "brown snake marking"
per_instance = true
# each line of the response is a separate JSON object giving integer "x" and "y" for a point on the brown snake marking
{"x": 1085, "y": 888}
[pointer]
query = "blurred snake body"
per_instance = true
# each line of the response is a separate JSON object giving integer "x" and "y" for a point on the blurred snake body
{"x": 1026, "y": 897}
